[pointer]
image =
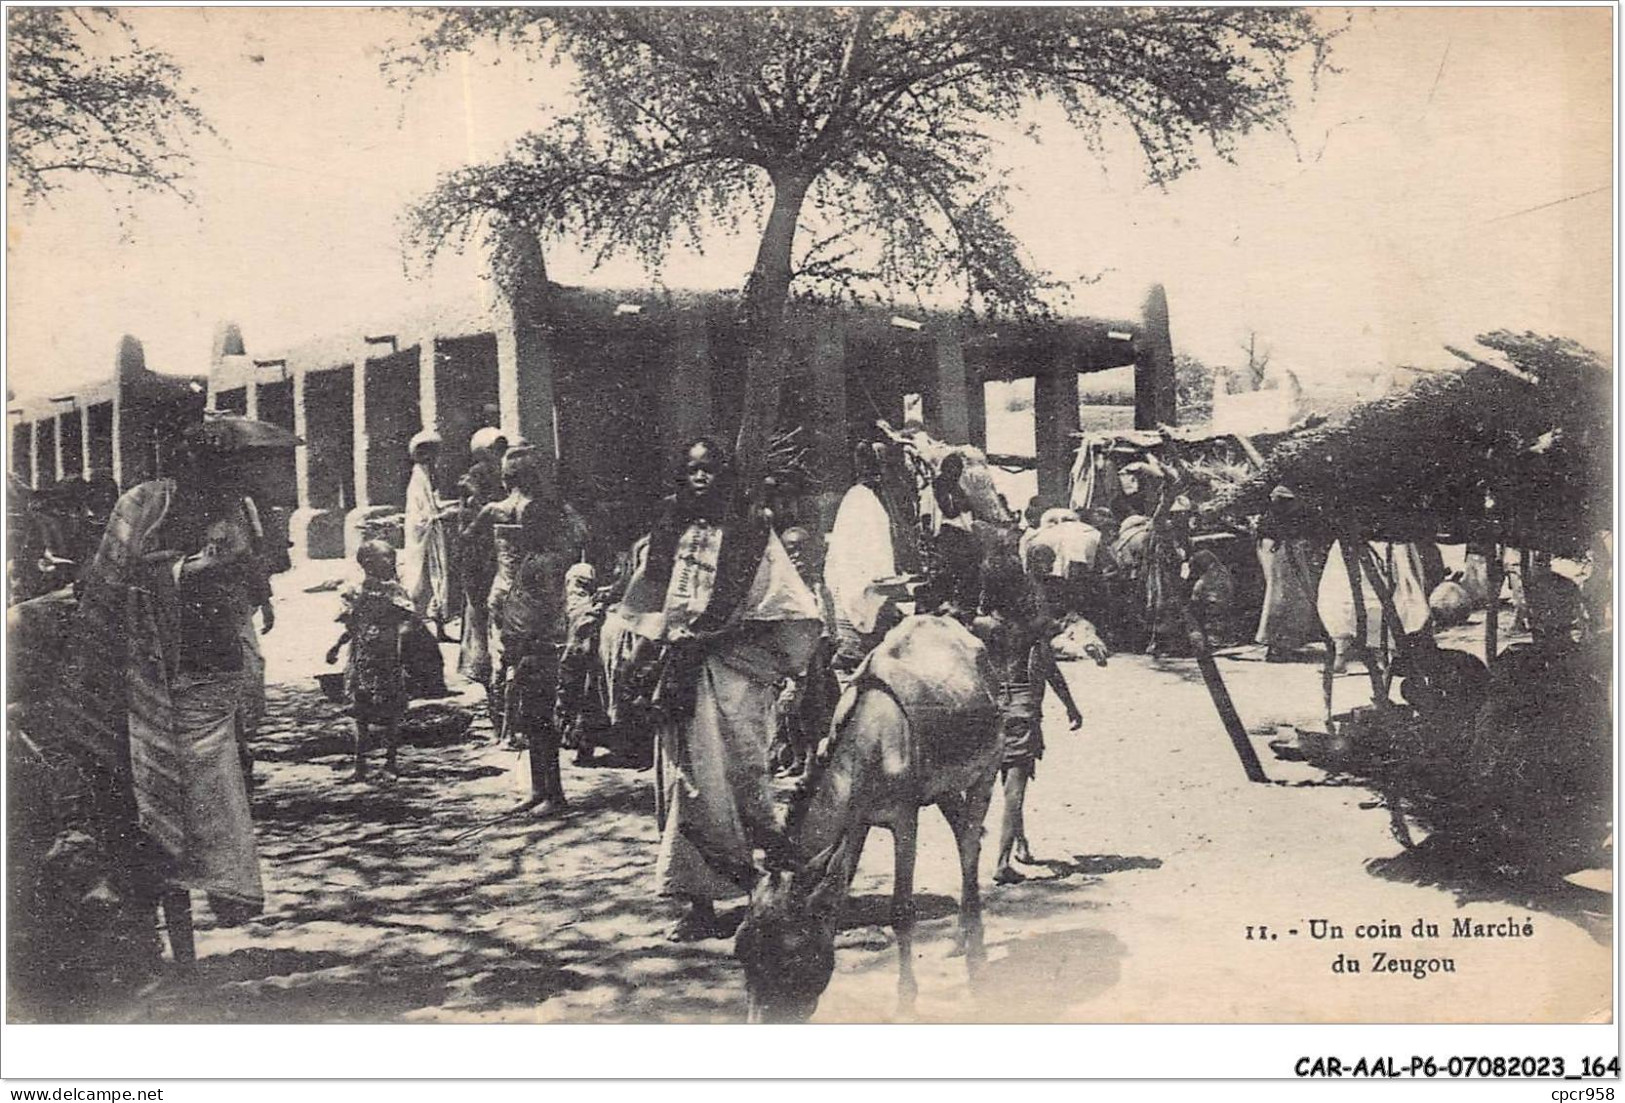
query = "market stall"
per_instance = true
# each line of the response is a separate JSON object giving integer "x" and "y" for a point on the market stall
{"x": 1509, "y": 751}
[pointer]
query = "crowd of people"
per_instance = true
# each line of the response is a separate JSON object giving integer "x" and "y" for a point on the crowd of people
{"x": 714, "y": 647}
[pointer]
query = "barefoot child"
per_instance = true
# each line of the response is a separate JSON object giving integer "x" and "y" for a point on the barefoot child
{"x": 373, "y": 615}
{"x": 1016, "y": 623}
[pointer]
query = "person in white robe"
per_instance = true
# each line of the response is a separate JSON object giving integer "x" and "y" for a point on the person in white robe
{"x": 860, "y": 554}
{"x": 1287, "y": 622}
{"x": 1340, "y": 614}
{"x": 424, "y": 559}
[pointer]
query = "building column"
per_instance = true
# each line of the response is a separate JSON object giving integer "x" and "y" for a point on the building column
{"x": 1055, "y": 426}
{"x": 33, "y": 453}
{"x": 56, "y": 425}
{"x": 976, "y": 409}
{"x": 84, "y": 440}
{"x": 362, "y": 445}
{"x": 301, "y": 429}
{"x": 251, "y": 394}
{"x": 525, "y": 355}
{"x": 525, "y": 385}
{"x": 953, "y": 387}
{"x": 118, "y": 431}
{"x": 507, "y": 379}
{"x": 128, "y": 363}
{"x": 428, "y": 397}
{"x": 314, "y": 533}
{"x": 1155, "y": 397}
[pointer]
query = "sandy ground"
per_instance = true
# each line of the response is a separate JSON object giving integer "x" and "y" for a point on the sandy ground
{"x": 1159, "y": 854}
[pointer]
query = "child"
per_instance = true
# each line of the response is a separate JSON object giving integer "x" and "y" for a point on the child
{"x": 1016, "y": 624}
{"x": 374, "y": 615}
{"x": 575, "y": 713}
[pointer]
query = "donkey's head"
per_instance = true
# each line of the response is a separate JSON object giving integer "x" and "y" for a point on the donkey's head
{"x": 787, "y": 951}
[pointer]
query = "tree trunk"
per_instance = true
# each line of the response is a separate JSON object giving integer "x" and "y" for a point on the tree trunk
{"x": 763, "y": 316}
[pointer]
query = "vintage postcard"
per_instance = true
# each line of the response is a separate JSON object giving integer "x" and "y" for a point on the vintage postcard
{"x": 811, "y": 514}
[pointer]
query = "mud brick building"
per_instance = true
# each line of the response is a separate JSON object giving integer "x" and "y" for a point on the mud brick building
{"x": 607, "y": 384}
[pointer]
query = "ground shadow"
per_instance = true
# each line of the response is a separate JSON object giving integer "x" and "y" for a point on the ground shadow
{"x": 1099, "y": 864}
{"x": 874, "y": 909}
{"x": 1475, "y": 876}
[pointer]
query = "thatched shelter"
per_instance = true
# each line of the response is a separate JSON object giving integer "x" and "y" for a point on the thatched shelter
{"x": 1515, "y": 447}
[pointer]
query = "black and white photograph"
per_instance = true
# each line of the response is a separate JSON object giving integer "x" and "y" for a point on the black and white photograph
{"x": 811, "y": 515}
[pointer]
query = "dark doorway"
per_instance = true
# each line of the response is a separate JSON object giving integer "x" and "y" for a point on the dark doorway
{"x": 330, "y": 437}
{"x": 101, "y": 437}
{"x": 234, "y": 401}
{"x": 393, "y": 417}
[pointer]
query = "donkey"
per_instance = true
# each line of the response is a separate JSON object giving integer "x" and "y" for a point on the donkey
{"x": 918, "y": 726}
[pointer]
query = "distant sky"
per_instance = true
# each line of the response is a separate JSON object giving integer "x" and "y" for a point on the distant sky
{"x": 1455, "y": 175}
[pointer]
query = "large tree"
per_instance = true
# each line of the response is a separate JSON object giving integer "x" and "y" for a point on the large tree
{"x": 863, "y": 136}
{"x": 86, "y": 100}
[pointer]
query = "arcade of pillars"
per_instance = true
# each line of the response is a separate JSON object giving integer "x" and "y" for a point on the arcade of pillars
{"x": 117, "y": 426}
{"x": 606, "y": 386}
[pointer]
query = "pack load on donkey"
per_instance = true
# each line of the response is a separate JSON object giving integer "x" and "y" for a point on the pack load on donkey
{"x": 1507, "y": 756}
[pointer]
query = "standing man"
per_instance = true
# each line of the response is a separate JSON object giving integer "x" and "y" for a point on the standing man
{"x": 1288, "y": 622}
{"x": 424, "y": 568}
{"x": 536, "y": 540}
{"x": 807, "y": 702}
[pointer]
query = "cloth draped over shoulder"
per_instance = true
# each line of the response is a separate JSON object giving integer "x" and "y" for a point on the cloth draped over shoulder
{"x": 168, "y": 734}
{"x": 860, "y": 553}
{"x": 425, "y": 562}
{"x": 714, "y": 796}
{"x": 772, "y": 595}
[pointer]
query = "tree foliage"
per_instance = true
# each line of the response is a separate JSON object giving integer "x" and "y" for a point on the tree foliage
{"x": 1193, "y": 389}
{"x": 84, "y": 99}
{"x": 855, "y": 142}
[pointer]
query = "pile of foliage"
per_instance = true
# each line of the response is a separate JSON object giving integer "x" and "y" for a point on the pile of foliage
{"x": 1515, "y": 448}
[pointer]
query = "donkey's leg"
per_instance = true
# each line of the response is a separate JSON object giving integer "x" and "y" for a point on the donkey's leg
{"x": 954, "y": 810}
{"x": 969, "y": 837}
{"x": 904, "y": 836}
